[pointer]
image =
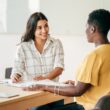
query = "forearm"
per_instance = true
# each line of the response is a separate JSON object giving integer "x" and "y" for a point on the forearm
{"x": 71, "y": 90}
{"x": 56, "y": 72}
{"x": 65, "y": 91}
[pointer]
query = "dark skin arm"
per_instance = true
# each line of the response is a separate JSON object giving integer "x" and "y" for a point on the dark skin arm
{"x": 72, "y": 90}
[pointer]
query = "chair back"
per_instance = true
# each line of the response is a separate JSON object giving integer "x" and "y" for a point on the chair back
{"x": 8, "y": 71}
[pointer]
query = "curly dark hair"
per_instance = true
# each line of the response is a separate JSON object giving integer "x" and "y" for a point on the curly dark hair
{"x": 31, "y": 26}
{"x": 101, "y": 19}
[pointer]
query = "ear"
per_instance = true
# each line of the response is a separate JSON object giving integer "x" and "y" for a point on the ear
{"x": 92, "y": 29}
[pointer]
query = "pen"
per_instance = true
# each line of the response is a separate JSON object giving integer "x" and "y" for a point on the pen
{"x": 18, "y": 75}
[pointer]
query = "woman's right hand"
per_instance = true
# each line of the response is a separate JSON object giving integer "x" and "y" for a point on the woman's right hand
{"x": 16, "y": 78}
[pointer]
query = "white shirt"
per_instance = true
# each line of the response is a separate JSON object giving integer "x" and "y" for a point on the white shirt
{"x": 29, "y": 61}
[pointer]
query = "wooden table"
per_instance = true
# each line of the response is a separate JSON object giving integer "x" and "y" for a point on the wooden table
{"x": 26, "y": 99}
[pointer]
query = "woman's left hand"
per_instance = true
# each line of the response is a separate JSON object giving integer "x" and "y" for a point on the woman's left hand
{"x": 40, "y": 77}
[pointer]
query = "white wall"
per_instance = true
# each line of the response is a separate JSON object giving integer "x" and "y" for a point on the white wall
{"x": 68, "y": 17}
{"x": 8, "y": 44}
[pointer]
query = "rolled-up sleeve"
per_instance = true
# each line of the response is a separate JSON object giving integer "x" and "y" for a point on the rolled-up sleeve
{"x": 59, "y": 56}
{"x": 89, "y": 70}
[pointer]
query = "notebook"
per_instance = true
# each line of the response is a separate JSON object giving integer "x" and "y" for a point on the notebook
{"x": 8, "y": 95}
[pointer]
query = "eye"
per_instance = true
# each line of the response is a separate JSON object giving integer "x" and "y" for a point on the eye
{"x": 39, "y": 27}
{"x": 46, "y": 26}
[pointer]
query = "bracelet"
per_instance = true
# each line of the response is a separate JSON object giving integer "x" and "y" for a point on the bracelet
{"x": 55, "y": 87}
{"x": 59, "y": 89}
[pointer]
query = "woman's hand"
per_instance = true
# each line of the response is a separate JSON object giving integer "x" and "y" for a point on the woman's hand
{"x": 16, "y": 78}
{"x": 40, "y": 77}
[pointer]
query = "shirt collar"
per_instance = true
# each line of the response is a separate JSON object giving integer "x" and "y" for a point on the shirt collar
{"x": 48, "y": 42}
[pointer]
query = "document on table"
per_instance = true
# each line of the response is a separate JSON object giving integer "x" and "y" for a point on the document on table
{"x": 4, "y": 81}
{"x": 41, "y": 82}
{"x": 8, "y": 95}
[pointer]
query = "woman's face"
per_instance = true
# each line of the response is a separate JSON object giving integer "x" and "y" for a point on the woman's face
{"x": 42, "y": 30}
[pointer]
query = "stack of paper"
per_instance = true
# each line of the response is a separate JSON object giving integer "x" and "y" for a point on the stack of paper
{"x": 34, "y": 82}
{"x": 8, "y": 95}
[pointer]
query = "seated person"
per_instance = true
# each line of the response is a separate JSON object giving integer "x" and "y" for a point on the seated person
{"x": 93, "y": 75}
{"x": 103, "y": 103}
{"x": 39, "y": 56}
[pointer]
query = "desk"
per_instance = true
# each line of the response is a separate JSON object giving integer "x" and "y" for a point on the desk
{"x": 26, "y": 99}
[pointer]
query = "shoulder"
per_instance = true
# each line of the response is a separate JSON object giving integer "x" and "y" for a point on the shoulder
{"x": 95, "y": 52}
{"x": 24, "y": 45}
{"x": 92, "y": 53}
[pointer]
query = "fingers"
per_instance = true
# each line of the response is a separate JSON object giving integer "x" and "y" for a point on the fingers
{"x": 16, "y": 78}
{"x": 39, "y": 77}
{"x": 70, "y": 82}
{"x": 30, "y": 88}
{"x": 34, "y": 88}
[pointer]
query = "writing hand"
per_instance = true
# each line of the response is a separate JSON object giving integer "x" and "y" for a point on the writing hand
{"x": 16, "y": 78}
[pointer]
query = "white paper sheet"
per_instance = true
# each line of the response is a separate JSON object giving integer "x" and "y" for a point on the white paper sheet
{"x": 34, "y": 82}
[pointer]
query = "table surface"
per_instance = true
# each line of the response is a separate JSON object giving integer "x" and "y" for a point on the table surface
{"x": 26, "y": 99}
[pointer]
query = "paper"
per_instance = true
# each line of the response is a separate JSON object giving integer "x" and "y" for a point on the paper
{"x": 34, "y": 82}
{"x": 8, "y": 95}
{"x": 5, "y": 81}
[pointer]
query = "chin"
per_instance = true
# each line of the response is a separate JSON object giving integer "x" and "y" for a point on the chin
{"x": 44, "y": 38}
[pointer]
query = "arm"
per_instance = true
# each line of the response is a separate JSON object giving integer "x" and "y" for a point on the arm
{"x": 71, "y": 90}
{"x": 18, "y": 67}
{"x": 58, "y": 63}
{"x": 56, "y": 72}
{"x": 53, "y": 74}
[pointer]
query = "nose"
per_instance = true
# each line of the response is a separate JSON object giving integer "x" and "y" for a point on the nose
{"x": 43, "y": 29}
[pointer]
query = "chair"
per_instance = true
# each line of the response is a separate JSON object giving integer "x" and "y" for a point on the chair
{"x": 8, "y": 71}
{"x": 103, "y": 103}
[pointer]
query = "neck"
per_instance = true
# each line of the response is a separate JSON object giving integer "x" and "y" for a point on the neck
{"x": 100, "y": 42}
{"x": 39, "y": 44}
{"x": 39, "y": 41}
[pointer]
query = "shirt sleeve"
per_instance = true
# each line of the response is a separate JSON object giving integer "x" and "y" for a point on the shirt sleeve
{"x": 19, "y": 61}
{"x": 59, "y": 55}
{"x": 89, "y": 70}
